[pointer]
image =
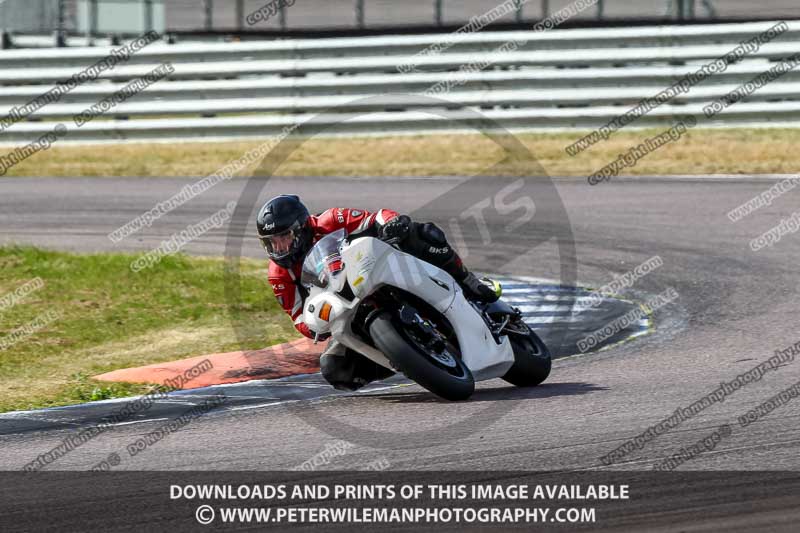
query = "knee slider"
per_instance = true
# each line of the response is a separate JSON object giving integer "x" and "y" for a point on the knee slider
{"x": 327, "y": 366}
{"x": 335, "y": 368}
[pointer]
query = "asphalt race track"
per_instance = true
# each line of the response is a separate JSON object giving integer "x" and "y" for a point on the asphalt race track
{"x": 555, "y": 312}
{"x": 736, "y": 307}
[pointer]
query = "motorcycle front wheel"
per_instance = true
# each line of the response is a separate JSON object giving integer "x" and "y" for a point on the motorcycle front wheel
{"x": 441, "y": 372}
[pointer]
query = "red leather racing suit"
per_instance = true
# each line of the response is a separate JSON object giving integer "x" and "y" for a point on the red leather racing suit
{"x": 286, "y": 282}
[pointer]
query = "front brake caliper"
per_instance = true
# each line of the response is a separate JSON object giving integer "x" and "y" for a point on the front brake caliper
{"x": 424, "y": 330}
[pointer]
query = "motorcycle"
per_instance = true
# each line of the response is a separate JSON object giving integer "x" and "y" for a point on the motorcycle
{"x": 412, "y": 317}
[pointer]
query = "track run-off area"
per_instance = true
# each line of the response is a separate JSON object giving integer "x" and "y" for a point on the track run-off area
{"x": 736, "y": 307}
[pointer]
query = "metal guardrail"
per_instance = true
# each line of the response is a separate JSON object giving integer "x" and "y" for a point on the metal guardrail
{"x": 575, "y": 58}
{"x": 66, "y": 17}
{"x": 558, "y": 79}
{"x": 398, "y": 45}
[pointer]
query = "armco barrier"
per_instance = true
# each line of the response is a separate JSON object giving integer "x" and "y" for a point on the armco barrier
{"x": 562, "y": 79}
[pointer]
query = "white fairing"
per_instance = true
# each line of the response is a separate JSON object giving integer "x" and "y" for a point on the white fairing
{"x": 370, "y": 264}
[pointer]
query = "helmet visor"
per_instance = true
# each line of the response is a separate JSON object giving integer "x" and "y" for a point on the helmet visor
{"x": 283, "y": 244}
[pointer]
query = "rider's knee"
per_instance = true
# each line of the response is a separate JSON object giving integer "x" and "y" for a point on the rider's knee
{"x": 432, "y": 234}
{"x": 429, "y": 243}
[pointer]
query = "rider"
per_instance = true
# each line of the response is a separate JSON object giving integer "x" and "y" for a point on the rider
{"x": 287, "y": 231}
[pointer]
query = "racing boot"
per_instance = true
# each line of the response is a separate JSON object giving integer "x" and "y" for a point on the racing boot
{"x": 480, "y": 290}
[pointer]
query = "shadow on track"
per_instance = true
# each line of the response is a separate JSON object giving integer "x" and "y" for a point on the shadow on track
{"x": 546, "y": 390}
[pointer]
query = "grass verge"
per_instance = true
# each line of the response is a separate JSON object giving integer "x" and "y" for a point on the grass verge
{"x": 108, "y": 317}
{"x": 709, "y": 151}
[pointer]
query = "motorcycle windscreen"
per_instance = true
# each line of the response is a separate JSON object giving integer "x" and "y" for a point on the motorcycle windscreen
{"x": 323, "y": 261}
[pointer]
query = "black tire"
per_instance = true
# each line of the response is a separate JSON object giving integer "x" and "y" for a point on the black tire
{"x": 532, "y": 361}
{"x": 390, "y": 337}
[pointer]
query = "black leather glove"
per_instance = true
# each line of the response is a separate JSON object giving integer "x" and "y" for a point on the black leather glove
{"x": 396, "y": 230}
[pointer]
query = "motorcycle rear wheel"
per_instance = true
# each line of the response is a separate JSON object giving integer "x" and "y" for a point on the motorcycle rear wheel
{"x": 532, "y": 362}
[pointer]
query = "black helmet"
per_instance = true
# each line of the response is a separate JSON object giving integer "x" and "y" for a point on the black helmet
{"x": 284, "y": 230}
